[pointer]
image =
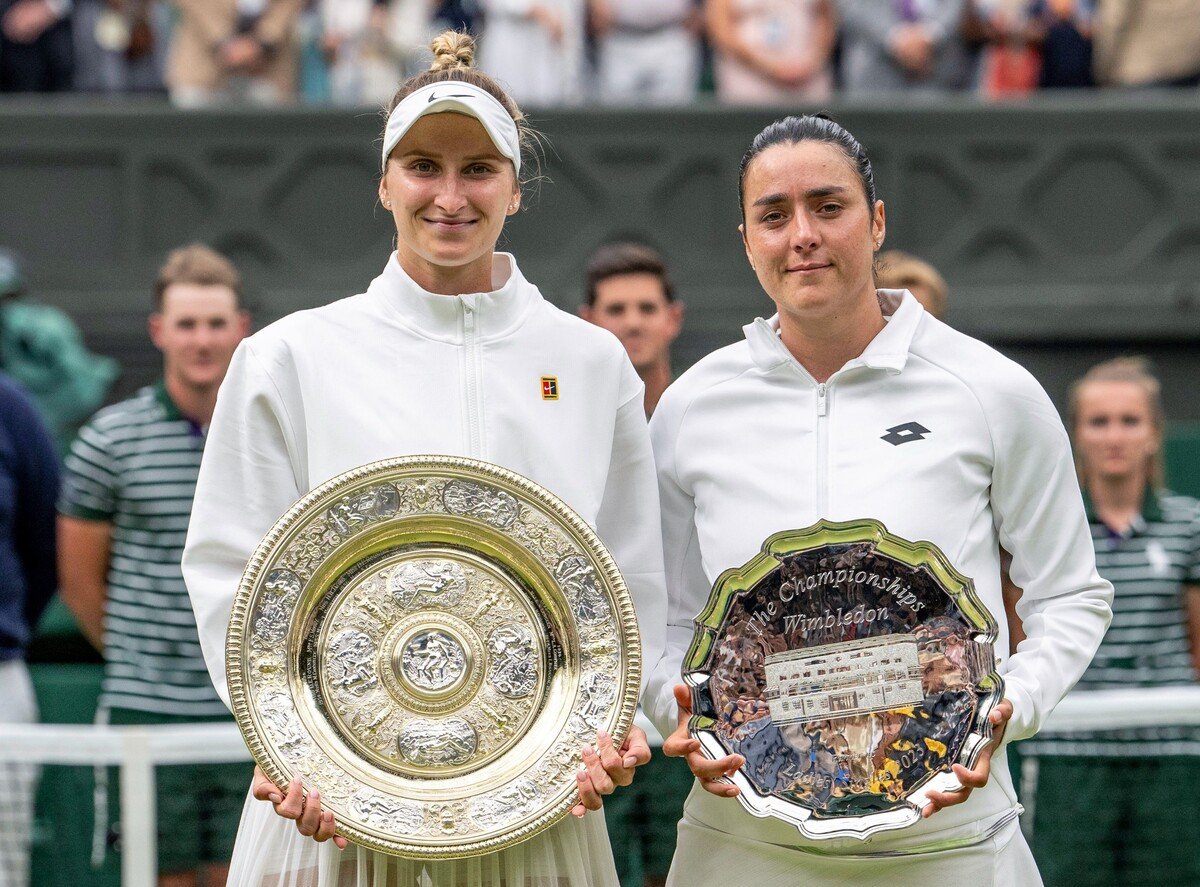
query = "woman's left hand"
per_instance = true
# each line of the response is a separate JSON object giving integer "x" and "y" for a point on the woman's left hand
{"x": 976, "y": 777}
{"x": 605, "y": 767}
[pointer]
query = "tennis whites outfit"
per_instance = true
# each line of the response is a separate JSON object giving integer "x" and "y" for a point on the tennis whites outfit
{"x": 401, "y": 371}
{"x": 941, "y": 439}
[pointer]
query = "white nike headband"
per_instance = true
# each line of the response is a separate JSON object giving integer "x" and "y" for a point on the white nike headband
{"x": 462, "y": 98}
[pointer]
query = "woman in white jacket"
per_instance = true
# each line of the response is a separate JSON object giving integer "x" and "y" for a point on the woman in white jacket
{"x": 853, "y": 403}
{"x": 444, "y": 353}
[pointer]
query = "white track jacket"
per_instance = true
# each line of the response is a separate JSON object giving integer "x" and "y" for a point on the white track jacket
{"x": 400, "y": 371}
{"x": 930, "y": 432}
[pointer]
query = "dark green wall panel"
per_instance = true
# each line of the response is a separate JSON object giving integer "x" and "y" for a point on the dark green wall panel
{"x": 1069, "y": 229}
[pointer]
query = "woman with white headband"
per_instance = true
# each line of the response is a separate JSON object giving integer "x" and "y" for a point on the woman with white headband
{"x": 446, "y": 352}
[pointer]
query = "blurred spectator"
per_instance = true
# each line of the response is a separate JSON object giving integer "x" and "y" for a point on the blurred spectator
{"x": 899, "y": 270}
{"x": 371, "y": 45}
{"x": 126, "y": 499}
{"x": 1147, "y": 42}
{"x": 1108, "y": 807}
{"x": 458, "y": 15}
{"x": 1066, "y": 44}
{"x": 646, "y": 53}
{"x": 1010, "y": 61}
{"x": 911, "y": 45}
{"x": 120, "y": 45}
{"x": 28, "y": 487}
{"x": 233, "y": 51}
{"x": 1031, "y": 44}
{"x": 36, "y": 54}
{"x": 536, "y": 49}
{"x": 772, "y": 51}
{"x": 41, "y": 348}
{"x": 630, "y": 295}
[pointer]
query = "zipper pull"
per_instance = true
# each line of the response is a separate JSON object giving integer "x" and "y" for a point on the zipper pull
{"x": 822, "y": 404}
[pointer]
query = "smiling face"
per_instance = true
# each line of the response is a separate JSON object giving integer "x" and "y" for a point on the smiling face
{"x": 197, "y": 330}
{"x": 449, "y": 191}
{"x": 1115, "y": 431}
{"x": 809, "y": 233}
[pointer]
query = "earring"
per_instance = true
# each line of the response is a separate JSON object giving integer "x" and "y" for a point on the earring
{"x": 388, "y": 204}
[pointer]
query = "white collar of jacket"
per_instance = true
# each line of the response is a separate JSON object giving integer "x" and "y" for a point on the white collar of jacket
{"x": 887, "y": 351}
{"x": 435, "y": 316}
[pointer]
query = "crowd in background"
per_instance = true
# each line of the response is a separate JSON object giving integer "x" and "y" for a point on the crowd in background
{"x": 621, "y": 52}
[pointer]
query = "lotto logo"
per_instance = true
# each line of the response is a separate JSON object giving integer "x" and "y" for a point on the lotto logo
{"x": 549, "y": 387}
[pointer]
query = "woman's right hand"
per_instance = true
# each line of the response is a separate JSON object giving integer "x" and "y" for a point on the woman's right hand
{"x": 712, "y": 774}
{"x": 306, "y": 811}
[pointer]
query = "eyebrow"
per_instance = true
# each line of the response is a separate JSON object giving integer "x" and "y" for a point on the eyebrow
{"x": 780, "y": 197}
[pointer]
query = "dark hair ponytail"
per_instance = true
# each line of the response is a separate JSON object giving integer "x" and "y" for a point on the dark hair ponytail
{"x": 812, "y": 128}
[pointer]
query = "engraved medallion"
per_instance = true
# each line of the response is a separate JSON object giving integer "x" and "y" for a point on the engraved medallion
{"x": 851, "y": 669}
{"x": 430, "y": 642}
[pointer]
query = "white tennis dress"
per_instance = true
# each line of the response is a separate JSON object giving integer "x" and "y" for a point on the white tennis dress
{"x": 401, "y": 371}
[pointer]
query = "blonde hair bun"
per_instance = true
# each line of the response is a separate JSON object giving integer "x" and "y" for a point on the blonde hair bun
{"x": 452, "y": 49}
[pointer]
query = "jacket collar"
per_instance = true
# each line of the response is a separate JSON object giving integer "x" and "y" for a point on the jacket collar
{"x": 1151, "y": 511}
{"x": 887, "y": 351}
{"x": 495, "y": 314}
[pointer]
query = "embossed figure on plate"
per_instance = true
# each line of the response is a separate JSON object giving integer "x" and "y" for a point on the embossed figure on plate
{"x": 352, "y": 512}
{"x": 271, "y": 620}
{"x": 485, "y": 503}
{"x": 388, "y": 813}
{"x": 513, "y": 669}
{"x": 578, "y": 578}
{"x": 420, "y": 583}
{"x": 279, "y": 713}
{"x": 437, "y": 743}
{"x": 433, "y": 660}
{"x": 351, "y": 662}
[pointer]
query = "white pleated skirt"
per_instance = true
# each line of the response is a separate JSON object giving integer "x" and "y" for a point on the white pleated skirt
{"x": 709, "y": 856}
{"x": 270, "y": 852}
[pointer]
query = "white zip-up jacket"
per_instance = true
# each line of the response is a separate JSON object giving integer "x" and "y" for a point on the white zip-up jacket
{"x": 930, "y": 432}
{"x": 400, "y": 371}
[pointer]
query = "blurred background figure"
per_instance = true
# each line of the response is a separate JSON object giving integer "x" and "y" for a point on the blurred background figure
{"x": 1026, "y": 45}
{"x": 1010, "y": 37}
{"x": 913, "y": 45}
{"x": 233, "y": 51}
{"x": 28, "y": 488}
{"x": 123, "y": 516}
{"x": 898, "y": 270}
{"x": 1147, "y": 42}
{"x": 536, "y": 48}
{"x": 772, "y": 51}
{"x": 646, "y": 53}
{"x": 630, "y": 295}
{"x": 41, "y": 348}
{"x": 1108, "y": 807}
{"x": 120, "y": 45}
{"x": 1066, "y": 44}
{"x": 36, "y": 53}
{"x": 371, "y": 45}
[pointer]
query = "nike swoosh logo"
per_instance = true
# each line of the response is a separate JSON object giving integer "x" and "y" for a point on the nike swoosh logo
{"x": 433, "y": 96}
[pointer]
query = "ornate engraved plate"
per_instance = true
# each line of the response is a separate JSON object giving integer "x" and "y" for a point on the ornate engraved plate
{"x": 430, "y": 642}
{"x": 851, "y": 669}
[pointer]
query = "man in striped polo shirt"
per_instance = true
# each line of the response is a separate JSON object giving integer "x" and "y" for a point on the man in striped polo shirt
{"x": 123, "y": 515}
{"x": 1117, "y": 806}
